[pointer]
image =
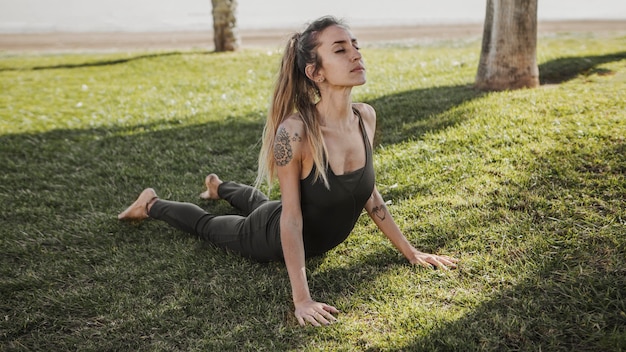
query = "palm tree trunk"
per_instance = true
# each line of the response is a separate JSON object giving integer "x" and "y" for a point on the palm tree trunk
{"x": 225, "y": 33}
{"x": 508, "y": 58}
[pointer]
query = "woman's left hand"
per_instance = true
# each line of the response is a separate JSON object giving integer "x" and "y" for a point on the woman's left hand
{"x": 432, "y": 260}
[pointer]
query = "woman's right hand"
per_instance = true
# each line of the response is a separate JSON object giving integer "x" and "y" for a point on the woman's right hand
{"x": 315, "y": 313}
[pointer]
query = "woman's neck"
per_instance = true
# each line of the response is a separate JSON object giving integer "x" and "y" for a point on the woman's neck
{"x": 335, "y": 110}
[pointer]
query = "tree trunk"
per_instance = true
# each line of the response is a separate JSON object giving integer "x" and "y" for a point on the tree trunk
{"x": 508, "y": 58}
{"x": 225, "y": 33}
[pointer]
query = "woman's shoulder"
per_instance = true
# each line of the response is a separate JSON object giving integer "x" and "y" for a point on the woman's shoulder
{"x": 293, "y": 123}
{"x": 292, "y": 129}
{"x": 367, "y": 112}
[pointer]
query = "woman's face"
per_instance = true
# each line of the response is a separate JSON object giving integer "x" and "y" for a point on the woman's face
{"x": 342, "y": 63}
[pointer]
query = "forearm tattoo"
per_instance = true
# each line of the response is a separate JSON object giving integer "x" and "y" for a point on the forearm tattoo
{"x": 379, "y": 211}
{"x": 282, "y": 147}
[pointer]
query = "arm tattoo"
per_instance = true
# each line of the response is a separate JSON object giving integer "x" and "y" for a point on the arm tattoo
{"x": 379, "y": 211}
{"x": 282, "y": 148}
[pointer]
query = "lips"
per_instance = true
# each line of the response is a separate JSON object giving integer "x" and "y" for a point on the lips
{"x": 358, "y": 68}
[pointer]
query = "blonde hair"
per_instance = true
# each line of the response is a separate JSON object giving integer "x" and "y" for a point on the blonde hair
{"x": 293, "y": 93}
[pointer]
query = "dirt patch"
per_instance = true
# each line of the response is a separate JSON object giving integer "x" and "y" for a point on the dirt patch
{"x": 271, "y": 38}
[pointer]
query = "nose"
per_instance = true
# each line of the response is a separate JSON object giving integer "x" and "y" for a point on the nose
{"x": 356, "y": 55}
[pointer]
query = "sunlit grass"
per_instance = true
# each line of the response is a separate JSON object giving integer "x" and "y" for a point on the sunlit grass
{"x": 527, "y": 188}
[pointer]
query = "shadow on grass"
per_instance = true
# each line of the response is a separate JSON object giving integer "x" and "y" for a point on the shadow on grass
{"x": 109, "y": 62}
{"x": 574, "y": 296}
{"x": 121, "y": 158}
{"x": 409, "y": 115}
{"x": 62, "y": 189}
{"x": 567, "y": 68}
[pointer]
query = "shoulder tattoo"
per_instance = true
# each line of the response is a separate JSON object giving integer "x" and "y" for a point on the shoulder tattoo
{"x": 379, "y": 211}
{"x": 282, "y": 146}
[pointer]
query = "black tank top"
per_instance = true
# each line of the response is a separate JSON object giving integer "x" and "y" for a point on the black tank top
{"x": 329, "y": 215}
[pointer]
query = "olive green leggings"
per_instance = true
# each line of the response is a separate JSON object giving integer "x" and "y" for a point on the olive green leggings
{"x": 255, "y": 234}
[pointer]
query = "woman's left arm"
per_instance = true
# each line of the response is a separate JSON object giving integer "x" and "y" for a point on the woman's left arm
{"x": 377, "y": 210}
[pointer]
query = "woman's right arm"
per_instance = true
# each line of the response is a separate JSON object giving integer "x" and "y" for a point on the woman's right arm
{"x": 289, "y": 146}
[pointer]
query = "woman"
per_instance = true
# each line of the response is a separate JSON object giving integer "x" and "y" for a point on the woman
{"x": 318, "y": 144}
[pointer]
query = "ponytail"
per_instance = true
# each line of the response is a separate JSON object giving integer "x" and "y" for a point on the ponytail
{"x": 293, "y": 93}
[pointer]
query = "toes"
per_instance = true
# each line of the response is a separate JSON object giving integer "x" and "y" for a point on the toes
{"x": 139, "y": 209}
{"x": 211, "y": 182}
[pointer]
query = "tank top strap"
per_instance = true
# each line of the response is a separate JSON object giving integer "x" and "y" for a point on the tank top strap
{"x": 366, "y": 140}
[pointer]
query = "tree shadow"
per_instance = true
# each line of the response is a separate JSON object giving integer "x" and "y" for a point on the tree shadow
{"x": 106, "y": 62}
{"x": 578, "y": 268}
{"x": 411, "y": 114}
{"x": 70, "y": 184}
{"x": 61, "y": 191}
{"x": 36, "y": 160}
{"x": 567, "y": 68}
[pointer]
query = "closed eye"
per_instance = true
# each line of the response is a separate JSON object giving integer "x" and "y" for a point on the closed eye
{"x": 341, "y": 49}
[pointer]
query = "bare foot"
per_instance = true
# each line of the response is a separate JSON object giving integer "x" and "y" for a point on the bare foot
{"x": 139, "y": 209}
{"x": 212, "y": 182}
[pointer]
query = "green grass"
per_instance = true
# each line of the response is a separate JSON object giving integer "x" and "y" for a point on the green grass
{"x": 527, "y": 188}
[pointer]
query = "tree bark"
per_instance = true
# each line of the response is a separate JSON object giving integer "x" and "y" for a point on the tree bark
{"x": 508, "y": 58}
{"x": 225, "y": 32}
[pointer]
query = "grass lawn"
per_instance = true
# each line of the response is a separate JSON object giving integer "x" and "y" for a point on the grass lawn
{"x": 527, "y": 188}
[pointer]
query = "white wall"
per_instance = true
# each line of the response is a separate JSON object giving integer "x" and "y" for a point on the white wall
{"x": 172, "y": 15}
